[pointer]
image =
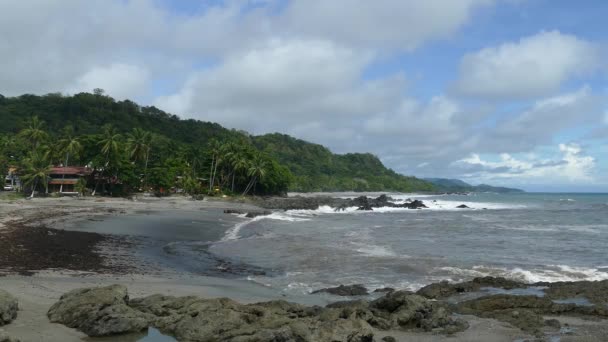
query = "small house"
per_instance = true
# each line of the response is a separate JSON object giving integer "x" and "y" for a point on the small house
{"x": 63, "y": 179}
{"x": 12, "y": 181}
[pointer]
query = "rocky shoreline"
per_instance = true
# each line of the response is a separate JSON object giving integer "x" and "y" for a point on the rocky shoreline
{"x": 362, "y": 203}
{"x": 440, "y": 311}
{"x": 437, "y": 309}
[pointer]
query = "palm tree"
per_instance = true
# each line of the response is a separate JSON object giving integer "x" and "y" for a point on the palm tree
{"x": 81, "y": 187}
{"x": 110, "y": 145}
{"x": 240, "y": 162}
{"x": 34, "y": 133}
{"x": 139, "y": 144}
{"x": 257, "y": 171}
{"x": 68, "y": 145}
{"x": 36, "y": 170}
{"x": 216, "y": 149}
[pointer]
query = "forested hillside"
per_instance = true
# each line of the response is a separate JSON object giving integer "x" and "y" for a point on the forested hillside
{"x": 190, "y": 146}
{"x": 456, "y": 185}
{"x": 317, "y": 169}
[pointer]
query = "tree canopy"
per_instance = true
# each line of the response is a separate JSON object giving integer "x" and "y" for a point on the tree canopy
{"x": 145, "y": 146}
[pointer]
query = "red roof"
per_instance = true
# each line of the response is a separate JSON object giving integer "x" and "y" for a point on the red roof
{"x": 71, "y": 170}
{"x": 63, "y": 181}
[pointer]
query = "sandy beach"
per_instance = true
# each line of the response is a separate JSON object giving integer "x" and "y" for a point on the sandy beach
{"x": 38, "y": 280}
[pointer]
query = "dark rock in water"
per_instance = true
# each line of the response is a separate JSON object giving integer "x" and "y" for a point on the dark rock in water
{"x": 415, "y": 204}
{"x": 234, "y": 211}
{"x": 339, "y": 204}
{"x": 345, "y": 290}
{"x": 383, "y": 199}
{"x": 253, "y": 214}
{"x": 384, "y": 289}
{"x": 8, "y": 308}
{"x": 463, "y": 206}
{"x": 295, "y": 203}
{"x": 444, "y": 289}
{"x": 553, "y": 323}
{"x": 363, "y": 203}
{"x": 250, "y": 214}
{"x": 99, "y": 312}
{"x": 389, "y": 339}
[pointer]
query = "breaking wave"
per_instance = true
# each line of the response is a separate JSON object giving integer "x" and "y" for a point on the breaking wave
{"x": 550, "y": 274}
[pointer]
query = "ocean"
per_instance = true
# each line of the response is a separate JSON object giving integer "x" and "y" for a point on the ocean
{"x": 530, "y": 237}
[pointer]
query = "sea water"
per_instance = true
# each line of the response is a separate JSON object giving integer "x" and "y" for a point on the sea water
{"x": 527, "y": 237}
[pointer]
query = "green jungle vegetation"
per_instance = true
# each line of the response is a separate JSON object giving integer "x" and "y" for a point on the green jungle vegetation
{"x": 147, "y": 148}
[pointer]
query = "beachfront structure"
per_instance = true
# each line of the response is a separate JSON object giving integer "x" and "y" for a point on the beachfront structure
{"x": 63, "y": 179}
{"x": 12, "y": 181}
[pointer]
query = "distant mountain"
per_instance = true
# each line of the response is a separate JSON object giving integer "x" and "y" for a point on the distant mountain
{"x": 456, "y": 185}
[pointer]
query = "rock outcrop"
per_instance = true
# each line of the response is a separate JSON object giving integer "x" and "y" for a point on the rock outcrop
{"x": 4, "y": 337}
{"x": 444, "y": 289}
{"x": 8, "y": 308}
{"x": 248, "y": 214}
{"x": 99, "y": 311}
{"x": 196, "y": 319}
{"x": 108, "y": 311}
{"x": 312, "y": 203}
{"x": 345, "y": 290}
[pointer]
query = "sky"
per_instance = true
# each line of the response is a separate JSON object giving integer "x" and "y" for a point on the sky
{"x": 505, "y": 92}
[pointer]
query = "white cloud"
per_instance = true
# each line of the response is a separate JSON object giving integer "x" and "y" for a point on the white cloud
{"x": 402, "y": 25}
{"x": 536, "y": 125}
{"x": 47, "y": 45}
{"x": 572, "y": 166}
{"x": 281, "y": 83}
{"x": 121, "y": 80}
{"x": 533, "y": 66}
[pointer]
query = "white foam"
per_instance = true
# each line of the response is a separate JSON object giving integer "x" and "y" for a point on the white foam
{"x": 377, "y": 251}
{"x": 233, "y": 233}
{"x": 550, "y": 274}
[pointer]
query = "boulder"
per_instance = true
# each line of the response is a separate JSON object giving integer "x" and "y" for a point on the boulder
{"x": 8, "y": 308}
{"x": 415, "y": 204}
{"x": 345, "y": 290}
{"x": 4, "y": 337}
{"x": 553, "y": 323}
{"x": 98, "y": 311}
{"x": 384, "y": 289}
{"x": 407, "y": 311}
{"x": 362, "y": 203}
{"x": 253, "y": 214}
{"x": 444, "y": 289}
